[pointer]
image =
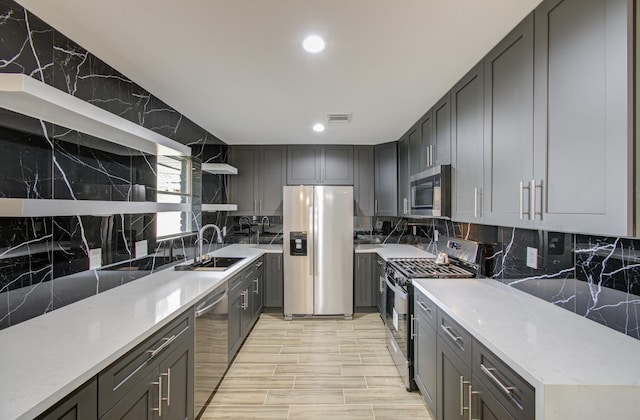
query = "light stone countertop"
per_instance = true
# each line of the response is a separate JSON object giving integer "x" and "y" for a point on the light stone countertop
{"x": 387, "y": 251}
{"x": 45, "y": 358}
{"x": 579, "y": 368}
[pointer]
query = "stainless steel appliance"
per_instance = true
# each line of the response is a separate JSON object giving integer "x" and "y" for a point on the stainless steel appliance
{"x": 211, "y": 345}
{"x": 398, "y": 318}
{"x": 431, "y": 192}
{"x": 318, "y": 250}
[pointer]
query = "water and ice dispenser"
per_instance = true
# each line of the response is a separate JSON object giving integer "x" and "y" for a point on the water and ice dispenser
{"x": 298, "y": 243}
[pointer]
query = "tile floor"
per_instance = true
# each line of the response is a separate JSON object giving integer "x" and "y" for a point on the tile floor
{"x": 315, "y": 369}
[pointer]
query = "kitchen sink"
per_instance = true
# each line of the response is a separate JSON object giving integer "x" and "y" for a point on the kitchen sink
{"x": 211, "y": 264}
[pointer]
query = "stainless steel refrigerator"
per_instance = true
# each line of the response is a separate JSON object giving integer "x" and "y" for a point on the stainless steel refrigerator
{"x": 318, "y": 250}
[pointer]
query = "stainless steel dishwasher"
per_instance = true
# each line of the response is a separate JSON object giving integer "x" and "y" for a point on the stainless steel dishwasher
{"x": 211, "y": 344}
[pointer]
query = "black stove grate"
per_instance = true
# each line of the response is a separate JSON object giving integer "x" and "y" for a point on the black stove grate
{"x": 427, "y": 268}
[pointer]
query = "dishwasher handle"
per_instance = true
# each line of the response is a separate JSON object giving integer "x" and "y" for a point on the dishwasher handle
{"x": 208, "y": 308}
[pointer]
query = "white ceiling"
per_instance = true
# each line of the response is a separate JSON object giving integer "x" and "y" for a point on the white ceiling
{"x": 236, "y": 67}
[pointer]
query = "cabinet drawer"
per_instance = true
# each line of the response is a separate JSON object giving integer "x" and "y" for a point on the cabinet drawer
{"x": 235, "y": 284}
{"x": 456, "y": 336}
{"x": 119, "y": 378}
{"x": 509, "y": 388}
{"x": 425, "y": 309}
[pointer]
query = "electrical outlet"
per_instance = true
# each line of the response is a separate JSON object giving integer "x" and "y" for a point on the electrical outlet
{"x": 415, "y": 230}
{"x": 532, "y": 257}
{"x": 224, "y": 231}
{"x": 435, "y": 235}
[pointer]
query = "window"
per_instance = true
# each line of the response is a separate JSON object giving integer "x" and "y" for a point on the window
{"x": 174, "y": 186}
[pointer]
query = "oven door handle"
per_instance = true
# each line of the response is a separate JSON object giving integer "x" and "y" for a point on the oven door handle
{"x": 396, "y": 290}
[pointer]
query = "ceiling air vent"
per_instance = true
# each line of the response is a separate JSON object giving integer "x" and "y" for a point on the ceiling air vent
{"x": 337, "y": 118}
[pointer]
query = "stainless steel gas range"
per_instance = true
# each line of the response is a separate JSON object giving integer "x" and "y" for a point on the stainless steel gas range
{"x": 456, "y": 259}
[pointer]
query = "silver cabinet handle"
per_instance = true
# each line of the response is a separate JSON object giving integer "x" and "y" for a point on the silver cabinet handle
{"x": 245, "y": 299}
{"x": 432, "y": 154}
{"x": 424, "y": 307}
{"x": 258, "y": 265}
{"x": 164, "y": 345}
{"x": 382, "y": 284}
{"x": 159, "y": 409}
{"x": 413, "y": 320}
{"x": 202, "y": 311}
{"x": 521, "y": 200}
{"x": 429, "y": 156}
{"x": 506, "y": 390}
{"x": 462, "y": 407}
{"x": 168, "y": 397}
{"x": 532, "y": 191}
{"x": 257, "y": 283}
{"x": 375, "y": 206}
{"x": 447, "y": 330}
{"x": 260, "y": 206}
{"x": 475, "y": 202}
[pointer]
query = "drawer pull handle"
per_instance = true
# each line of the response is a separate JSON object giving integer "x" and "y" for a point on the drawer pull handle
{"x": 167, "y": 343}
{"x": 456, "y": 339}
{"x": 506, "y": 390}
{"x": 257, "y": 284}
{"x": 168, "y": 397}
{"x": 424, "y": 307}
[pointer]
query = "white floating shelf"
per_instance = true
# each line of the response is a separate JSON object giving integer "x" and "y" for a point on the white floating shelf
{"x": 219, "y": 207}
{"x": 219, "y": 168}
{"x": 28, "y": 96}
{"x": 18, "y": 207}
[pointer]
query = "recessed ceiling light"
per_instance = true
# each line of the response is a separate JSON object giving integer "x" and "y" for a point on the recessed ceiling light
{"x": 318, "y": 128}
{"x": 313, "y": 44}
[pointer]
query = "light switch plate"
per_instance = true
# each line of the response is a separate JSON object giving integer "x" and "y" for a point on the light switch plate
{"x": 141, "y": 249}
{"x": 95, "y": 258}
{"x": 435, "y": 235}
{"x": 415, "y": 230}
{"x": 532, "y": 257}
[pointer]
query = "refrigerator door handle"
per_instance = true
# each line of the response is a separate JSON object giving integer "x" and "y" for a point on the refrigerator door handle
{"x": 310, "y": 241}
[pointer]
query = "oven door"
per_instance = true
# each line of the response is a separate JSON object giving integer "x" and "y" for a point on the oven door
{"x": 397, "y": 318}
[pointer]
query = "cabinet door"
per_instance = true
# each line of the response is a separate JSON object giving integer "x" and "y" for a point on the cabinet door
{"x": 337, "y": 165}
{"x": 485, "y": 405}
{"x": 256, "y": 290}
{"x": 403, "y": 177}
{"x": 362, "y": 281}
{"x": 235, "y": 321}
{"x": 386, "y": 182}
{"x": 582, "y": 135}
{"x": 273, "y": 289}
{"x": 81, "y": 404}
{"x": 425, "y": 362}
{"x": 453, "y": 376}
{"x": 381, "y": 289}
{"x": 441, "y": 112}
{"x": 270, "y": 178}
{"x": 416, "y": 158}
{"x": 508, "y": 140}
{"x": 467, "y": 99}
{"x": 141, "y": 402}
{"x": 363, "y": 185}
{"x": 176, "y": 372}
{"x": 427, "y": 144}
{"x": 243, "y": 189}
{"x": 303, "y": 165}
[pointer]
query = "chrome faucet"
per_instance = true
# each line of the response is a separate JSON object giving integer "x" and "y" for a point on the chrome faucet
{"x": 200, "y": 243}
{"x": 248, "y": 223}
{"x": 262, "y": 221}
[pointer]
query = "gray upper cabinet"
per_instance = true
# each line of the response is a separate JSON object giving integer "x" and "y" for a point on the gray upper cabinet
{"x": 257, "y": 188}
{"x": 312, "y": 165}
{"x": 404, "y": 146}
{"x": 508, "y": 139}
{"x": 416, "y": 161}
{"x": 386, "y": 179}
{"x": 425, "y": 158}
{"x": 583, "y": 136}
{"x": 440, "y": 153}
{"x": 363, "y": 185}
{"x": 467, "y": 102}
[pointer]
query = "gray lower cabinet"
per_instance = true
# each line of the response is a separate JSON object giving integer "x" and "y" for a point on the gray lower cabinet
{"x": 467, "y": 129}
{"x": 365, "y": 281}
{"x": 363, "y": 181}
{"x": 257, "y": 188}
{"x": 155, "y": 380}
{"x": 583, "y": 114}
{"x": 274, "y": 281}
{"x": 246, "y": 290}
{"x": 508, "y": 139}
{"x": 325, "y": 164}
{"x": 81, "y": 404}
{"x": 386, "y": 179}
{"x": 454, "y": 378}
{"x": 425, "y": 366}
{"x": 403, "y": 177}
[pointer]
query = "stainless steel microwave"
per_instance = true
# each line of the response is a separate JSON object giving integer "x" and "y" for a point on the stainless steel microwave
{"x": 431, "y": 192}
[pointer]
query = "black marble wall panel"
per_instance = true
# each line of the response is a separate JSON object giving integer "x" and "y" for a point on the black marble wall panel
{"x": 44, "y": 262}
